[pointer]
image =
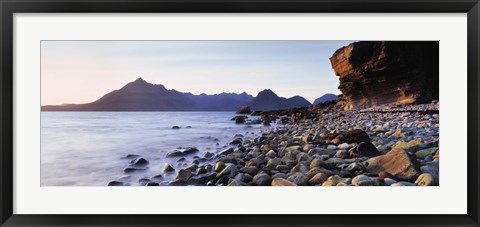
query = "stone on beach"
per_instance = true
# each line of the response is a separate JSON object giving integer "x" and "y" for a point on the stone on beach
{"x": 398, "y": 163}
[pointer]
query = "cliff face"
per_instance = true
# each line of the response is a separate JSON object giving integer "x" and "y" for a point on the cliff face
{"x": 380, "y": 72}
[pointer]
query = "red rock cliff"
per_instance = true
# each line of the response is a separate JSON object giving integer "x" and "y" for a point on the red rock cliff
{"x": 375, "y": 72}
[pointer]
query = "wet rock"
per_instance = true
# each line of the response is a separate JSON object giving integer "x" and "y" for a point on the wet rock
{"x": 230, "y": 170}
{"x": 131, "y": 156}
{"x": 183, "y": 175}
{"x": 139, "y": 162}
{"x": 157, "y": 178}
{"x": 332, "y": 181}
{"x": 282, "y": 182}
{"x": 181, "y": 159}
{"x": 133, "y": 169}
{"x": 115, "y": 183}
{"x": 182, "y": 152}
{"x": 202, "y": 179}
{"x": 389, "y": 181}
{"x": 175, "y": 127}
{"x": 236, "y": 141}
{"x": 152, "y": 184}
{"x": 240, "y": 119}
{"x": 226, "y": 151}
{"x": 432, "y": 169}
{"x": 235, "y": 182}
{"x": 168, "y": 168}
{"x": 362, "y": 180}
{"x": 280, "y": 175}
{"x": 398, "y": 163}
{"x": 200, "y": 171}
{"x": 262, "y": 179}
{"x": 143, "y": 181}
{"x": 219, "y": 166}
{"x": 282, "y": 168}
{"x": 208, "y": 155}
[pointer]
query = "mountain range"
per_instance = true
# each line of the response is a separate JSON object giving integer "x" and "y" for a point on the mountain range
{"x": 140, "y": 95}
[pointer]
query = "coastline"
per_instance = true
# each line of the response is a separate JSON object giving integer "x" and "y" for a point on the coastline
{"x": 388, "y": 145}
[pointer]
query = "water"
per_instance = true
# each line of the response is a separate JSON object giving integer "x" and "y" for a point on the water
{"x": 85, "y": 148}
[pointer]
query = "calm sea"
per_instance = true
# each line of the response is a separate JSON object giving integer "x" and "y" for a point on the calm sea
{"x": 86, "y": 148}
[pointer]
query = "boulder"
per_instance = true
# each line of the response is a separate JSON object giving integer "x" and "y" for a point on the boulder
{"x": 354, "y": 136}
{"x": 398, "y": 163}
{"x": 364, "y": 149}
{"x": 244, "y": 110}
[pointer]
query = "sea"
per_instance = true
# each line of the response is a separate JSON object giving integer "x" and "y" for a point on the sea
{"x": 88, "y": 148}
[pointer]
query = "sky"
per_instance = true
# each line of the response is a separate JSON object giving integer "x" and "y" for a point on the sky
{"x": 76, "y": 72}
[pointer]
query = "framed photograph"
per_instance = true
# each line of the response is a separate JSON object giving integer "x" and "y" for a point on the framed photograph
{"x": 242, "y": 113}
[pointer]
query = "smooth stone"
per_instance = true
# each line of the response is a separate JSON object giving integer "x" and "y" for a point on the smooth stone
{"x": 282, "y": 182}
{"x": 139, "y": 161}
{"x": 403, "y": 183}
{"x": 143, "y": 181}
{"x": 425, "y": 179}
{"x": 332, "y": 181}
{"x": 182, "y": 152}
{"x": 364, "y": 149}
{"x": 131, "y": 156}
{"x": 236, "y": 141}
{"x": 157, "y": 178}
{"x": 426, "y": 152}
{"x": 115, "y": 183}
{"x": 344, "y": 146}
{"x": 219, "y": 166}
{"x": 183, "y": 175}
{"x": 200, "y": 171}
{"x": 280, "y": 175}
{"x": 133, "y": 169}
{"x": 230, "y": 170}
{"x": 168, "y": 168}
{"x": 175, "y": 127}
{"x": 318, "y": 178}
{"x": 236, "y": 182}
{"x": 298, "y": 178}
{"x": 271, "y": 154}
{"x": 389, "y": 181}
{"x": 152, "y": 184}
{"x": 252, "y": 170}
{"x": 354, "y": 136}
{"x": 262, "y": 179}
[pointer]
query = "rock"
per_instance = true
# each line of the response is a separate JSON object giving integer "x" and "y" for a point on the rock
{"x": 262, "y": 179}
{"x": 115, "y": 183}
{"x": 265, "y": 123}
{"x": 244, "y": 110}
{"x": 143, "y": 181}
{"x": 403, "y": 183}
{"x": 432, "y": 169}
{"x": 188, "y": 126}
{"x": 168, "y": 168}
{"x": 354, "y": 136}
{"x": 182, "y": 159}
{"x": 184, "y": 175}
{"x": 202, "y": 179}
{"x": 235, "y": 182}
{"x": 271, "y": 154}
{"x": 364, "y": 150}
{"x": 133, "y": 169}
{"x": 355, "y": 167}
{"x": 236, "y": 141}
{"x": 175, "y": 127}
{"x": 299, "y": 168}
{"x": 152, "y": 184}
{"x": 426, "y": 152}
{"x": 226, "y": 151}
{"x": 200, "y": 171}
{"x": 298, "y": 178}
{"x": 341, "y": 154}
{"x": 230, "y": 170}
{"x": 408, "y": 146}
{"x": 272, "y": 163}
{"x": 157, "y": 178}
{"x": 426, "y": 179}
{"x": 139, "y": 162}
{"x": 282, "y": 182}
{"x": 282, "y": 168}
{"x": 408, "y": 72}
{"x": 398, "y": 163}
{"x": 280, "y": 175}
{"x": 389, "y": 181}
{"x": 131, "y": 156}
{"x": 362, "y": 180}
{"x": 240, "y": 119}
{"x": 182, "y": 152}
{"x": 344, "y": 146}
{"x": 332, "y": 181}
{"x": 208, "y": 155}
{"x": 251, "y": 170}
{"x": 318, "y": 178}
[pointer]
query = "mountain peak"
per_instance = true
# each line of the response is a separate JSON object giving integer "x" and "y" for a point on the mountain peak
{"x": 266, "y": 92}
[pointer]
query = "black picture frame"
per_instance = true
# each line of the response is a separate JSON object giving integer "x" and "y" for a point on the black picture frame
{"x": 9, "y": 7}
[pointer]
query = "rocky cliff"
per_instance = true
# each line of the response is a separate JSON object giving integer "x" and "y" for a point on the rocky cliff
{"x": 381, "y": 72}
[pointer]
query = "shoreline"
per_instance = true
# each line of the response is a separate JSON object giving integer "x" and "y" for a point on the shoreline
{"x": 388, "y": 145}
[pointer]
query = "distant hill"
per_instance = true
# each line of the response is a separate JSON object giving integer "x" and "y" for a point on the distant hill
{"x": 140, "y": 95}
{"x": 325, "y": 98}
{"x": 268, "y": 100}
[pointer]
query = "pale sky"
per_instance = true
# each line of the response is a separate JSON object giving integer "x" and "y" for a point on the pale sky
{"x": 83, "y": 71}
